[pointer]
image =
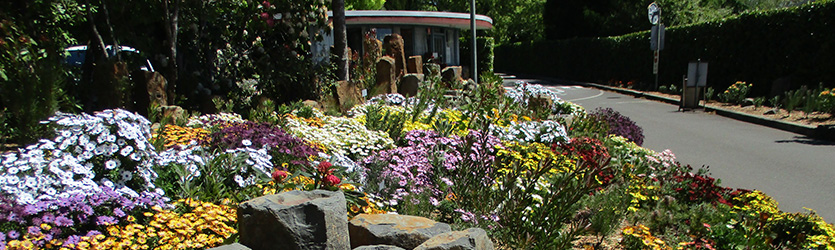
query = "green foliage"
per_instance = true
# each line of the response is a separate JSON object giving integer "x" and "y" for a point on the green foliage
{"x": 736, "y": 93}
{"x": 604, "y": 212}
{"x": 485, "y": 52}
{"x": 709, "y": 92}
{"x": 364, "y": 4}
{"x": 802, "y": 57}
{"x": 31, "y": 80}
{"x": 391, "y": 123}
{"x": 794, "y": 98}
{"x": 774, "y": 102}
{"x": 211, "y": 182}
{"x": 758, "y": 101}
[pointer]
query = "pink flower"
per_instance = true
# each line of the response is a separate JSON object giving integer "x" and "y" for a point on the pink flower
{"x": 332, "y": 180}
{"x": 279, "y": 175}
{"x": 266, "y": 4}
{"x": 265, "y": 15}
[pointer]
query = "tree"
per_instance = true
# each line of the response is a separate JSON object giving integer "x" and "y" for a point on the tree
{"x": 364, "y": 4}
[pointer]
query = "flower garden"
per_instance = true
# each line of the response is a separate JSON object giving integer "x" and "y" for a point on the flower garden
{"x": 536, "y": 175}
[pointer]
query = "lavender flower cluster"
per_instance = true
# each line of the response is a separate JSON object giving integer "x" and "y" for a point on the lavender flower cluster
{"x": 428, "y": 163}
{"x": 260, "y": 135}
{"x": 620, "y": 125}
{"x": 60, "y": 219}
{"x": 533, "y": 131}
{"x": 90, "y": 152}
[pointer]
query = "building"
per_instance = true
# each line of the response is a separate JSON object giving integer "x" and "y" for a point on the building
{"x": 425, "y": 33}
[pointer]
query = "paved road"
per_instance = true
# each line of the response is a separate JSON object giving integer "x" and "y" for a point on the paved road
{"x": 798, "y": 172}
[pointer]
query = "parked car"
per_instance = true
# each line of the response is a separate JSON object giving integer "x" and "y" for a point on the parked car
{"x": 130, "y": 55}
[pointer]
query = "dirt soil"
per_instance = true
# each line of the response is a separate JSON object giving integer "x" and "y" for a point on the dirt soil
{"x": 798, "y": 117}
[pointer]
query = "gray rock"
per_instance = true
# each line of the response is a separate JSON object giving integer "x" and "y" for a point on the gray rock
{"x": 379, "y": 247}
{"x": 295, "y": 220}
{"x": 747, "y": 102}
{"x": 472, "y": 239}
{"x": 233, "y": 246}
{"x": 771, "y": 112}
{"x": 392, "y": 229}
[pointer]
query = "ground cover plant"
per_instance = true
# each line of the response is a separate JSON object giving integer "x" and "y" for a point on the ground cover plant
{"x": 537, "y": 172}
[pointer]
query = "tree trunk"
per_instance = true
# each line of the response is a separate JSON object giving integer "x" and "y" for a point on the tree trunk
{"x": 340, "y": 40}
{"x": 171, "y": 29}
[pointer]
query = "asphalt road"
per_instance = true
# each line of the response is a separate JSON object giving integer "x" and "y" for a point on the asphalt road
{"x": 796, "y": 171}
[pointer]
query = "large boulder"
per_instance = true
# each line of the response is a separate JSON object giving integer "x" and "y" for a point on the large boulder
{"x": 295, "y": 220}
{"x": 149, "y": 91}
{"x": 471, "y": 239}
{"x": 348, "y": 94}
{"x": 415, "y": 65}
{"x": 409, "y": 84}
{"x": 386, "y": 76}
{"x": 392, "y": 229}
{"x": 394, "y": 46}
{"x": 233, "y": 246}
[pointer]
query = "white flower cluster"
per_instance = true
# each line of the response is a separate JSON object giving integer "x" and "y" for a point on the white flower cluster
{"x": 208, "y": 119}
{"x": 544, "y": 132}
{"x": 110, "y": 147}
{"x": 254, "y": 162}
{"x": 390, "y": 99}
{"x": 522, "y": 92}
{"x": 341, "y": 135}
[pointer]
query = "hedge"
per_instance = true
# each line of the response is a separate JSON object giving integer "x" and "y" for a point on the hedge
{"x": 794, "y": 46}
{"x": 485, "y": 52}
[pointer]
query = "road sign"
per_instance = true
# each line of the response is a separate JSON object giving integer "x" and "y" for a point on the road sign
{"x": 655, "y": 63}
{"x": 697, "y": 74}
{"x": 654, "y": 13}
{"x": 656, "y": 37}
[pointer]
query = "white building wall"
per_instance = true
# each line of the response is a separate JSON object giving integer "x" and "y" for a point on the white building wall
{"x": 420, "y": 41}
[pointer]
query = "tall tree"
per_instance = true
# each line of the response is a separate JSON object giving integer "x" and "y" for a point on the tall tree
{"x": 171, "y": 15}
{"x": 340, "y": 40}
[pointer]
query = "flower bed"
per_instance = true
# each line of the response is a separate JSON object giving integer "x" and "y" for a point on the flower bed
{"x": 102, "y": 183}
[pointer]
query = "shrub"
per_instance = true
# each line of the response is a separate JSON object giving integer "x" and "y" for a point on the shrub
{"x": 620, "y": 125}
{"x": 736, "y": 93}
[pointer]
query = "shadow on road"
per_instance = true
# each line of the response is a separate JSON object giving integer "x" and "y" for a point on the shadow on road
{"x": 808, "y": 141}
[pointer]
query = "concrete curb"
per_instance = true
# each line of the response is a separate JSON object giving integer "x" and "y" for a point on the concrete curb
{"x": 819, "y": 132}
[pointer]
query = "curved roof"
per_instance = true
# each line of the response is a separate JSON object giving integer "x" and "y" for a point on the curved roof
{"x": 408, "y": 17}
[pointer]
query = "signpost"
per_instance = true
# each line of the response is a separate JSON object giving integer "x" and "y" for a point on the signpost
{"x": 657, "y": 36}
{"x": 695, "y": 83}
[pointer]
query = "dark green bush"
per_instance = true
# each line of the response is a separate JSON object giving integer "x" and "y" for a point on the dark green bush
{"x": 485, "y": 52}
{"x": 743, "y": 48}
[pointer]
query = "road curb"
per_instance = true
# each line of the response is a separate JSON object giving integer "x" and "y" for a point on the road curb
{"x": 819, "y": 132}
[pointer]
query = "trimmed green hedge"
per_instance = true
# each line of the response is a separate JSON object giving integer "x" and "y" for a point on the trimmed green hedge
{"x": 794, "y": 44}
{"x": 485, "y": 52}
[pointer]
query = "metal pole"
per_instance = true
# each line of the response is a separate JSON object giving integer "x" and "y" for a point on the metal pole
{"x": 473, "y": 47}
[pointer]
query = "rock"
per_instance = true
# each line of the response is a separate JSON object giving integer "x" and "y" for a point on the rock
{"x": 472, "y": 239}
{"x": 409, "y": 84}
{"x": 771, "y": 112}
{"x": 312, "y": 104}
{"x": 295, "y": 220}
{"x": 451, "y": 75}
{"x": 174, "y": 114}
{"x": 233, "y": 246}
{"x": 392, "y": 229}
{"x": 415, "y": 65}
{"x": 386, "y": 76}
{"x": 348, "y": 94}
{"x": 148, "y": 91}
{"x": 394, "y": 46}
{"x": 379, "y": 247}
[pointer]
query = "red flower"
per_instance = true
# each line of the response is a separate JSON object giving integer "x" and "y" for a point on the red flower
{"x": 279, "y": 175}
{"x": 325, "y": 168}
{"x": 265, "y": 15}
{"x": 332, "y": 180}
{"x": 266, "y": 4}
